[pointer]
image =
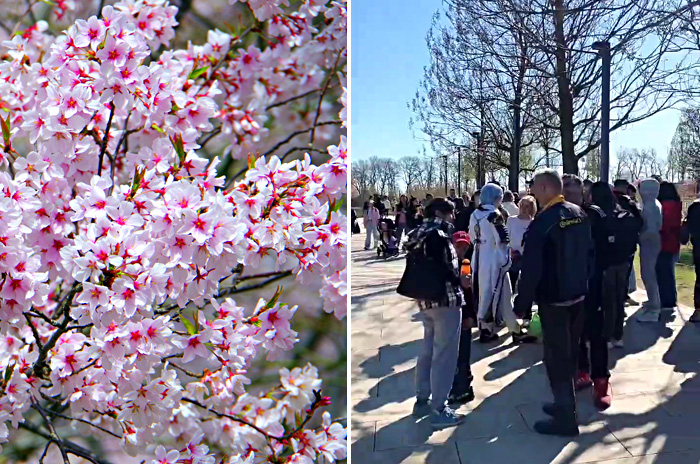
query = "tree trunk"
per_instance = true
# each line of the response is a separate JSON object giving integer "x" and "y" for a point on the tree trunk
{"x": 566, "y": 104}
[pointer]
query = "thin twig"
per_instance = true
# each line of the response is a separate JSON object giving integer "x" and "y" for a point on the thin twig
{"x": 113, "y": 158}
{"x": 46, "y": 449}
{"x": 63, "y": 307}
{"x": 52, "y": 431}
{"x": 289, "y": 100}
{"x": 229, "y": 416}
{"x": 331, "y": 75}
{"x": 273, "y": 149}
{"x": 61, "y": 416}
{"x": 34, "y": 331}
{"x": 71, "y": 447}
{"x": 190, "y": 373}
{"x": 105, "y": 138}
{"x": 293, "y": 149}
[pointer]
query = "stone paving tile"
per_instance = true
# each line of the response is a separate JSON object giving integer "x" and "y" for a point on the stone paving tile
{"x": 656, "y": 394}
{"x": 663, "y": 458}
{"x": 445, "y": 454}
{"x": 595, "y": 444}
{"x": 407, "y": 432}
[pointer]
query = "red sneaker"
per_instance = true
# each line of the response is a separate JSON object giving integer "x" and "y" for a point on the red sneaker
{"x": 602, "y": 393}
{"x": 583, "y": 380}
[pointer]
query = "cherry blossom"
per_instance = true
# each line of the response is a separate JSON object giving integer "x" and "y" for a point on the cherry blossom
{"x": 123, "y": 243}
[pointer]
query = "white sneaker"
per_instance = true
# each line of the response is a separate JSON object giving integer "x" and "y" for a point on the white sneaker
{"x": 648, "y": 315}
{"x": 616, "y": 344}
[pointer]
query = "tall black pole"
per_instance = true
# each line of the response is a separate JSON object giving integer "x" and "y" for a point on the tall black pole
{"x": 514, "y": 170}
{"x": 445, "y": 156}
{"x": 604, "y": 52}
{"x": 459, "y": 171}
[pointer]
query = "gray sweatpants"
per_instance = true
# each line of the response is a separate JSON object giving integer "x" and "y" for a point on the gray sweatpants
{"x": 648, "y": 252}
{"x": 437, "y": 361}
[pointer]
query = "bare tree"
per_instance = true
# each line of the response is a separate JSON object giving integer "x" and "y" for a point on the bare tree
{"x": 684, "y": 154}
{"x": 361, "y": 177}
{"x": 478, "y": 81}
{"x": 651, "y": 62}
{"x": 410, "y": 169}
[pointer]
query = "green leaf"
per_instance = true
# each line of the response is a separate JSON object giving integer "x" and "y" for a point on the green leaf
{"x": 188, "y": 325}
{"x": 5, "y": 129}
{"x": 275, "y": 298}
{"x": 197, "y": 72}
{"x": 179, "y": 147}
{"x": 8, "y": 372}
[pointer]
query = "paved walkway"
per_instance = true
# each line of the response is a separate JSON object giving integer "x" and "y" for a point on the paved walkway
{"x": 655, "y": 416}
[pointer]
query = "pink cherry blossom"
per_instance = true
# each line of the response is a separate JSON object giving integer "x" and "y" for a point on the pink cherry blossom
{"x": 122, "y": 239}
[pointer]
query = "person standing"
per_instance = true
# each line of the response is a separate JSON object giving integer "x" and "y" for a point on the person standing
{"x": 557, "y": 260}
{"x": 442, "y": 320}
{"x": 672, "y": 216}
{"x": 692, "y": 222}
{"x": 649, "y": 248}
{"x": 453, "y": 195}
{"x": 517, "y": 225}
{"x": 625, "y": 194}
{"x": 401, "y": 222}
{"x": 509, "y": 204}
{"x": 355, "y": 228}
{"x": 593, "y": 353}
{"x": 490, "y": 266}
{"x": 462, "y": 391}
{"x": 370, "y": 220}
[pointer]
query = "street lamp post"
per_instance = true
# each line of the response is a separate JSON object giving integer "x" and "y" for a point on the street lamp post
{"x": 445, "y": 157}
{"x": 514, "y": 170}
{"x": 603, "y": 49}
{"x": 459, "y": 171}
{"x": 480, "y": 174}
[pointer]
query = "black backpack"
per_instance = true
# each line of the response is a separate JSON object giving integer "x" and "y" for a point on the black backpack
{"x": 422, "y": 279}
{"x": 623, "y": 235}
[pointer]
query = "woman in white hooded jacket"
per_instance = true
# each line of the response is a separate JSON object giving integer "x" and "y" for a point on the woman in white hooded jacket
{"x": 490, "y": 264}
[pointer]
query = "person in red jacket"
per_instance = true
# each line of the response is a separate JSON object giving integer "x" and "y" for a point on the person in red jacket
{"x": 672, "y": 210}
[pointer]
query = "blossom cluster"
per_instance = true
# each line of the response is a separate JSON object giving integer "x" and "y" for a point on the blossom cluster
{"x": 120, "y": 241}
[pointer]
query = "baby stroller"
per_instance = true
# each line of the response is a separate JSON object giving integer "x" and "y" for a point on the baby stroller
{"x": 388, "y": 245}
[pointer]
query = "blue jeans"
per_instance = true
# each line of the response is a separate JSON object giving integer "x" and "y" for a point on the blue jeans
{"x": 666, "y": 278}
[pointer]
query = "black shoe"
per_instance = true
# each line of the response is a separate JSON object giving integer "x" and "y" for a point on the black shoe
{"x": 523, "y": 337}
{"x": 550, "y": 409}
{"x": 461, "y": 398}
{"x": 487, "y": 337}
{"x": 558, "y": 427}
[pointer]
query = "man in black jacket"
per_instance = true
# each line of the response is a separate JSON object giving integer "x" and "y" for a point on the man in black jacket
{"x": 692, "y": 222}
{"x": 621, "y": 190}
{"x": 556, "y": 264}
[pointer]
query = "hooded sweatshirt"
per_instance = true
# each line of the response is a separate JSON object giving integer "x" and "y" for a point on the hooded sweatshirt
{"x": 651, "y": 211}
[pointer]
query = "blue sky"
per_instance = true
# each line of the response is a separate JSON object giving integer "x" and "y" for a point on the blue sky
{"x": 388, "y": 56}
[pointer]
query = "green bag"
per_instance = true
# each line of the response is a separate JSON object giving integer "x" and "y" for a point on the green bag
{"x": 535, "y": 327}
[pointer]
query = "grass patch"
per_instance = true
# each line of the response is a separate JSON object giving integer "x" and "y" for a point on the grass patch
{"x": 685, "y": 276}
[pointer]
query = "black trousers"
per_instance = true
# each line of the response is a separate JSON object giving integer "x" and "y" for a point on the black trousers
{"x": 696, "y": 264}
{"x": 593, "y": 356}
{"x": 561, "y": 334}
{"x": 463, "y": 377}
{"x": 614, "y": 294}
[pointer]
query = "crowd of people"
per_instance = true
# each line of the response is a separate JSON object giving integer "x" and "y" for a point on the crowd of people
{"x": 564, "y": 245}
